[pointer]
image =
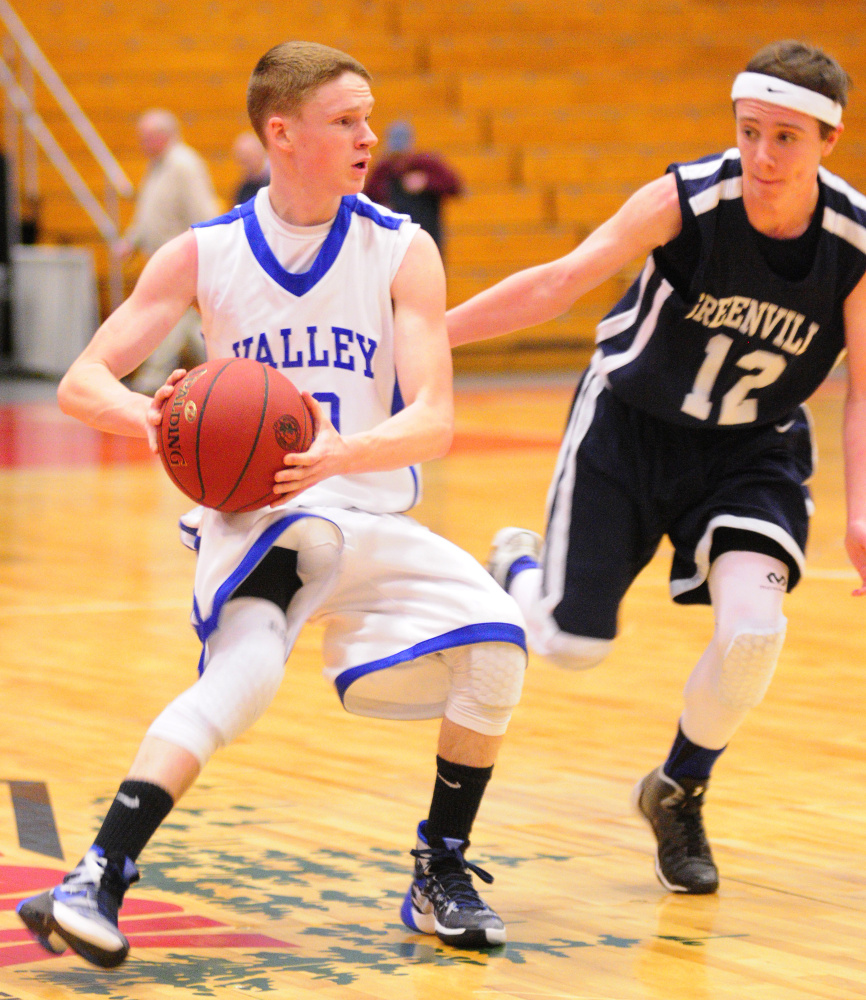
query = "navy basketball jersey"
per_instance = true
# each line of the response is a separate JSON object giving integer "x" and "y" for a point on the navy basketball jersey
{"x": 709, "y": 334}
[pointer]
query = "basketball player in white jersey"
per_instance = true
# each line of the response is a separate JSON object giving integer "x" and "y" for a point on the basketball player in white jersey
{"x": 348, "y": 300}
{"x": 689, "y": 420}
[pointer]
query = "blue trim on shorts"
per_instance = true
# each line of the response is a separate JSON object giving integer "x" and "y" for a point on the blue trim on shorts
{"x": 205, "y": 627}
{"x": 468, "y": 635}
{"x": 189, "y": 536}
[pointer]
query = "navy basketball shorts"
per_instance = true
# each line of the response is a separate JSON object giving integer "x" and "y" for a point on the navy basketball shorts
{"x": 625, "y": 479}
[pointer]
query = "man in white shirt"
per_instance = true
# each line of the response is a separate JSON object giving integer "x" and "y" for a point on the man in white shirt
{"x": 176, "y": 192}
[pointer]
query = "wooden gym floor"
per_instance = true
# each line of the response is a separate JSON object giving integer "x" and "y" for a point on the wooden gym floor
{"x": 281, "y": 873}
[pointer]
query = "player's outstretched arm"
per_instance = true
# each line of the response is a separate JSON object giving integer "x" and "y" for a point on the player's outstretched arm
{"x": 423, "y": 428}
{"x": 854, "y": 430}
{"x": 650, "y": 218}
{"x": 91, "y": 390}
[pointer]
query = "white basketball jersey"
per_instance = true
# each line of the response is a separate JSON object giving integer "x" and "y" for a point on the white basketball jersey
{"x": 315, "y": 304}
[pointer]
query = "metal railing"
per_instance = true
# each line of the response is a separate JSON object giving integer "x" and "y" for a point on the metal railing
{"x": 21, "y": 62}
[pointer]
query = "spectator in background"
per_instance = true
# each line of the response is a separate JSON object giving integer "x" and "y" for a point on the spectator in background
{"x": 30, "y": 219}
{"x": 412, "y": 182}
{"x": 176, "y": 192}
{"x": 250, "y": 156}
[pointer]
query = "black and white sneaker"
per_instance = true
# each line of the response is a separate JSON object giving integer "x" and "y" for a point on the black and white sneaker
{"x": 442, "y": 900}
{"x": 82, "y": 911}
{"x": 684, "y": 861}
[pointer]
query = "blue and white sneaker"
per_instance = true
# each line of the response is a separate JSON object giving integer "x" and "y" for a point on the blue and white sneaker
{"x": 82, "y": 911}
{"x": 39, "y": 922}
{"x": 442, "y": 900}
{"x": 513, "y": 550}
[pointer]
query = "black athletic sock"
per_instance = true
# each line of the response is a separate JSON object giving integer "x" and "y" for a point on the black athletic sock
{"x": 457, "y": 795}
{"x": 688, "y": 760}
{"x": 132, "y": 819}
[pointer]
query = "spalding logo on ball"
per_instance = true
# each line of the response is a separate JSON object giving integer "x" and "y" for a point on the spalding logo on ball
{"x": 225, "y": 429}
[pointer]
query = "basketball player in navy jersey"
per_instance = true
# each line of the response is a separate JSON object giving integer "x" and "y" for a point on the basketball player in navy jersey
{"x": 311, "y": 277}
{"x": 689, "y": 420}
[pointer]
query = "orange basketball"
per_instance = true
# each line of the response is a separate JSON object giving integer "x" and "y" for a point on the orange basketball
{"x": 225, "y": 430}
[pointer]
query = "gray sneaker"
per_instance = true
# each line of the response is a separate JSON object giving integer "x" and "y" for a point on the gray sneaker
{"x": 442, "y": 900}
{"x": 82, "y": 911}
{"x": 509, "y": 545}
{"x": 684, "y": 861}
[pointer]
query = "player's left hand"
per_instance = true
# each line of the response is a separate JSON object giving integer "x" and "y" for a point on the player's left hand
{"x": 327, "y": 456}
{"x": 855, "y": 543}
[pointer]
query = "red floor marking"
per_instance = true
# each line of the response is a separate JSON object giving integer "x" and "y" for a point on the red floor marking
{"x": 131, "y": 907}
{"x": 15, "y": 934}
{"x": 39, "y": 435}
{"x": 27, "y": 952}
{"x": 21, "y": 954}
{"x": 26, "y": 880}
{"x": 205, "y": 941}
{"x": 17, "y": 946}
{"x": 182, "y": 922}
{"x": 134, "y": 906}
{"x": 142, "y": 930}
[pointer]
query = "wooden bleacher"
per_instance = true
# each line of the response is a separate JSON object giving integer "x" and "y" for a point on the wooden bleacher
{"x": 552, "y": 113}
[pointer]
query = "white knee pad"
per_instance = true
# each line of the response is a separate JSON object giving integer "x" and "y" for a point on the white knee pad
{"x": 748, "y": 666}
{"x": 243, "y": 673}
{"x": 318, "y": 543}
{"x": 486, "y": 683}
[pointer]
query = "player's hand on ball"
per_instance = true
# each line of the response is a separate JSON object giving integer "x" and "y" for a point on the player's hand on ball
{"x": 153, "y": 416}
{"x": 326, "y": 457}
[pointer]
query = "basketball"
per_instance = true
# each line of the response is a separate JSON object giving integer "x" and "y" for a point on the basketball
{"x": 225, "y": 429}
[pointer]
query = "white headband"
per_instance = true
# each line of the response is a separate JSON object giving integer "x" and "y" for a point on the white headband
{"x": 771, "y": 89}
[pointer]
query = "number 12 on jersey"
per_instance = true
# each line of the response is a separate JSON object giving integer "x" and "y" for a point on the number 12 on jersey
{"x": 763, "y": 369}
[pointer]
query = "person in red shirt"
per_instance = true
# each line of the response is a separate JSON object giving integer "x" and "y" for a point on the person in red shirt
{"x": 413, "y": 182}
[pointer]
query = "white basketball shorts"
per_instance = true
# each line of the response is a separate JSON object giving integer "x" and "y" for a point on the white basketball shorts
{"x": 392, "y": 596}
